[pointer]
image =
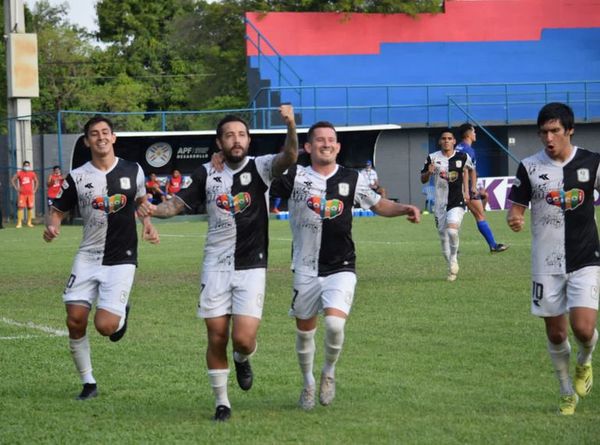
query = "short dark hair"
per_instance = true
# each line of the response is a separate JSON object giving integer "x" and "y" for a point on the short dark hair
{"x": 320, "y": 124}
{"x": 557, "y": 111}
{"x": 226, "y": 120}
{"x": 56, "y": 167}
{"x": 26, "y": 162}
{"x": 464, "y": 129}
{"x": 446, "y": 130}
{"x": 94, "y": 120}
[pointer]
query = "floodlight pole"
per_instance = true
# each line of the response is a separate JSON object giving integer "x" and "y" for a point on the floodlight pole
{"x": 22, "y": 83}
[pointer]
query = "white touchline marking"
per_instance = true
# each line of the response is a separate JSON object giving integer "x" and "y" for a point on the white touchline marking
{"x": 20, "y": 337}
{"x": 32, "y": 325}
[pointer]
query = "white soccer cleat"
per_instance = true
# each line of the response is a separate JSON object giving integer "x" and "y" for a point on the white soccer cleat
{"x": 326, "y": 390}
{"x": 307, "y": 398}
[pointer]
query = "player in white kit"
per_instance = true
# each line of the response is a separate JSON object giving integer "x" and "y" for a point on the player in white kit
{"x": 235, "y": 253}
{"x": 320, "y": 200}
{"x": 106, "y": 190}
{"x": 559, "y": 182}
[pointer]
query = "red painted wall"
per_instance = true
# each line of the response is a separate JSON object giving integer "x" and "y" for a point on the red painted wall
{"x": 463, "y": 21}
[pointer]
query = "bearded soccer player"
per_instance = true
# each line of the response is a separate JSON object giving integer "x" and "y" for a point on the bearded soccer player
{"x": 26, "y": 184}
{"x": 235, "y": 254}
{"x": 320, "y": 200}
{"x": 106, "y": 190}
{"x": 559, "y": 182}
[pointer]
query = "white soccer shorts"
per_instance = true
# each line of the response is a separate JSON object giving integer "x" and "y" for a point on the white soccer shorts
{"x": 453, "y": 216}
{"x": 236, "y": 292}
{"x": 553, "y": 295}
{"x": 313, "y": 294}
{"x": 106, "y": 286}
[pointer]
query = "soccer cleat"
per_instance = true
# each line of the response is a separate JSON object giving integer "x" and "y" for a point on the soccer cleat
{"x": 451, "y": 277}
{"x": 307, "y": 398}
{"x": 499, "y": 248}
{"x": 222, "y": 414}
{"x": 243, "y": 373}
{"x": 567, "y": 405}
{"x": 454, "y": 267}
{"x": 30, "y": 225}
{"x": 18, "y": 226}
{"x": 118, "y": 335}
{"x": 90, "y": 390}
{"x": 584, "y": 379}
{"x": 326, "y": 390}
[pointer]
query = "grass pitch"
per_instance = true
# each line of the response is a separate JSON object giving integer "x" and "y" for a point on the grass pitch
{"x": 424, "y": 362}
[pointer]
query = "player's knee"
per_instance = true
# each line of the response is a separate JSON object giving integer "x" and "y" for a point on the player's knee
{"x": 452, "y": 233}
{"x": 76, "y": 326}
{"x": 334, "y": 326}
{"x": 583, "y": 330}
{"x": 106, "y": 327}
{"x": 244, "y": 343}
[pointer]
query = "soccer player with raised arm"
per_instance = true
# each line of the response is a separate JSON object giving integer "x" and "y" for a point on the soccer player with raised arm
{"x": 106, "y": 190}
{"x": 320, "y": 200}
{"x": 235, "y": 254}
{"x": 559, "y": 182}
{"x": 449, "y": 169}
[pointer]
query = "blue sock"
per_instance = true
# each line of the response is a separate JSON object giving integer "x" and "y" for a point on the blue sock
{"x": 276, "y": 203}
{"x": 485, "y": 230}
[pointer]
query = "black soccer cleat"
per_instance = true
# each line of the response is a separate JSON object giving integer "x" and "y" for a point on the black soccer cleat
{"x": 118, "y": 335}
{"x": 499, "y": 248}
{"x": 243, "y": 373}
{"x": 89, "y": 391}
{"x": 222, "y": 414}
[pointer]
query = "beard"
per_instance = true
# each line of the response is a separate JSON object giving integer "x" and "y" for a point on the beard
{"x": 234, "y": 159}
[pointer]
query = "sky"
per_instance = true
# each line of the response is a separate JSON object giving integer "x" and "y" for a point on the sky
{"x": 81, "y": 12}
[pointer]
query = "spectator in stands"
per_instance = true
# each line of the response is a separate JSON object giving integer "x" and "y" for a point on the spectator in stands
{"x": 155, "y": 193}
{"x": 26, "y": 183}
{"x": 173, "y": 183}
{"x": 373, "y": 179}
{"x": 54, "y": 183}
{"x": 478, "y": 195}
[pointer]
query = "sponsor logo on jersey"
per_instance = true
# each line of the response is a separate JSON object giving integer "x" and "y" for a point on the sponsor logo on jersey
{"x": 109, "y": 204}
{"x": 125, "y": 183}
{"x": 65, "y": 185}
{"x": 325, "y": 208}
{"x": 246, "y": 178}
{"x": 566, "y": 200}
{"x": 344, "y": 188}
{"x": 234, "y": 204}
{"x": 583, "y": 175}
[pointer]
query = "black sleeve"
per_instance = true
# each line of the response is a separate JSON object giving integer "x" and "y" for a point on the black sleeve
{"x": 195, "y": 194}
{"x": 520, "y": 192}
{"x": 426, "y": 166}
{"x": 67, "y": 197}
{"x": 282, "y": 186}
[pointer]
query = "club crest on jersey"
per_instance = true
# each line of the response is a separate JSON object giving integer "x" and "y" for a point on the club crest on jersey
{"x": 344, "y": 188}
{"x": 125, "y": 183}
{"x": 325, "y": 208}
{"x": 109, "y": 204}
{"x": 583, "y": 175}
{"x": 458, "y": 164}
{"x": 452, "y": 175}
{"x": 234, "y": 204}
{"x": 566, "y": 200}
{"x": 246, "y": 178}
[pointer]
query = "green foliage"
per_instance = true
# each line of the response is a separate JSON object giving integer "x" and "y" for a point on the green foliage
{"x": 424, "y": 361}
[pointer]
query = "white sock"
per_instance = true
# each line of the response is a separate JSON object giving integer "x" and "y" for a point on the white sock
{"x": 305, "y": 350}
{"x": 453, "y": 241}
{"x": 241, "y": 358}
{"x": 445, "y": 245}
{"x": 560, "y": 356}
{"x": 584, "y": 352}
{"x": 334, "y": 339}
{"x": 218, "y": 382}
{"x": 80, "y": 351}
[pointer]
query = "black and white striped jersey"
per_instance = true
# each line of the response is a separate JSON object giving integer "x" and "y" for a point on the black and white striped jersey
{"x": 106, "y": 201}
{"x": 320, "y": 212}
{"x": 238, "y": 213}
{"x": 448, "y": 179}
{"x": 563, "y": 225}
